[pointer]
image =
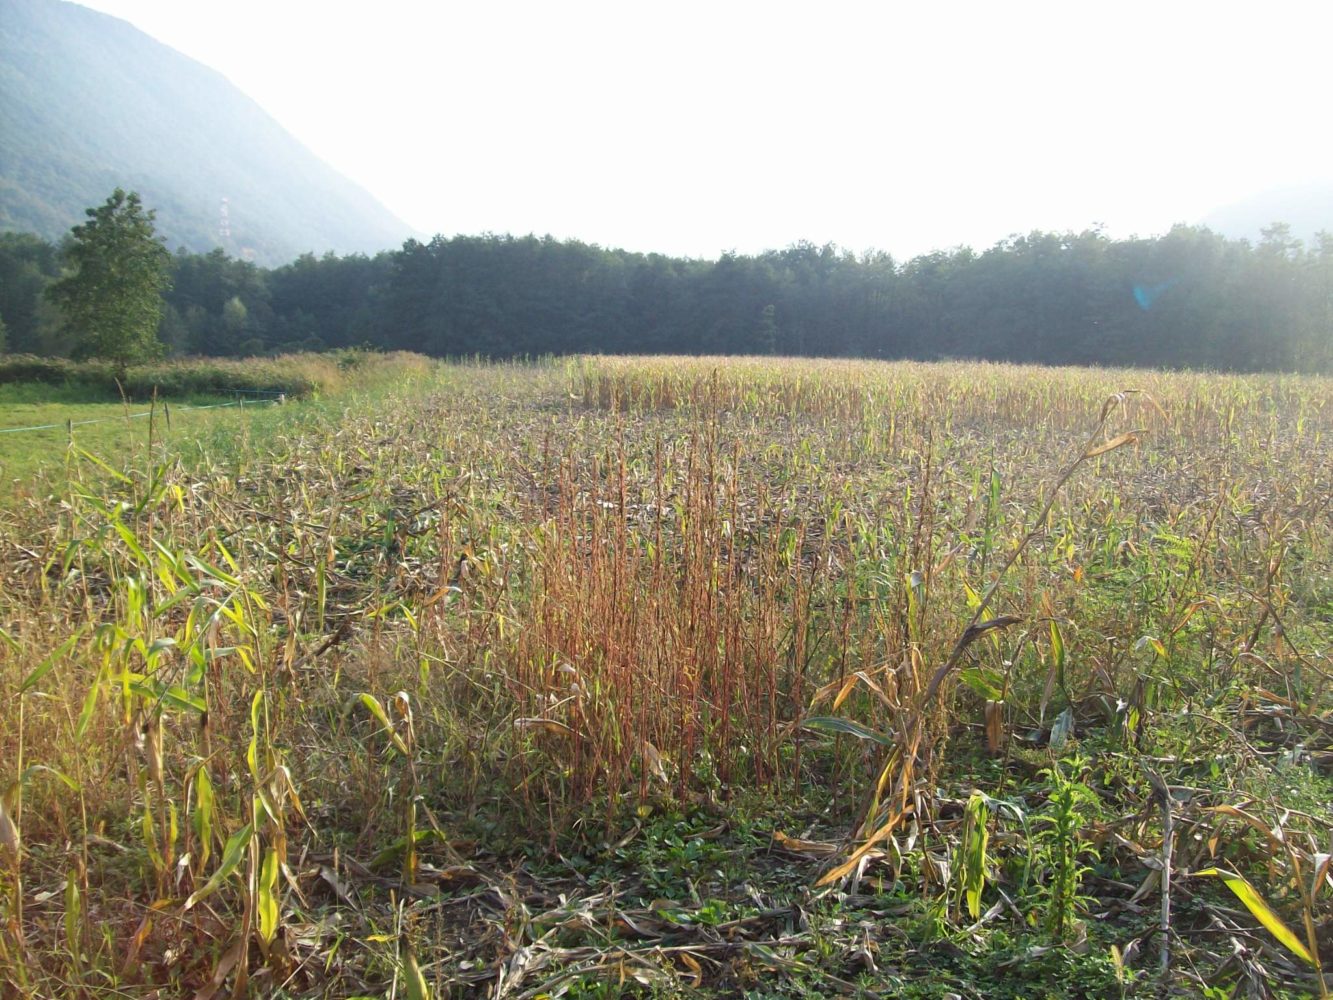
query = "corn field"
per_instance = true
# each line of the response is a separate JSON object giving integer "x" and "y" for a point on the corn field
{"x": 683, "y": 677}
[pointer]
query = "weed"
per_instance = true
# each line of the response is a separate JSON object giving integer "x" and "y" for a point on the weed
{"x": 1060, "y": 847}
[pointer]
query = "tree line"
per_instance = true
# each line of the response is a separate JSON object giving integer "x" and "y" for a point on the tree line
{"x": 1190, "y": 298}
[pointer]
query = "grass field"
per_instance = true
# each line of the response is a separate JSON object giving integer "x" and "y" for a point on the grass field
{"x": 682, "y": 677}
{"x": 116, "y": 433}
{"x": 178, "y": 407}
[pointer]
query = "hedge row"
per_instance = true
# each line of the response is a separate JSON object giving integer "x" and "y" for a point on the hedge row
{"x": 295, "y": 375}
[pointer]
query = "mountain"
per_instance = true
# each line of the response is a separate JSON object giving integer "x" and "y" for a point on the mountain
{"x": 89, "y": 103}
{"x": 1306, "y": 207}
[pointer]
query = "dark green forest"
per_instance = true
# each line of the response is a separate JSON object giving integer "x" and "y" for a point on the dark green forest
{"x": 1191, "y": 298}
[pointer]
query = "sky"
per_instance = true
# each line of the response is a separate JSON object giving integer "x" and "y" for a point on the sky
{"x": 698, "y": 128}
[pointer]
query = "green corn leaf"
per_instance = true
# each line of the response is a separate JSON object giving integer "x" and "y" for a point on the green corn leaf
{"x": 89, "y": 704}
{"x": 266, "y": 901}
{"x": 131, "y": 542}
{"x": 203, "y": 813}
{"x": 47, "y": 665}
{"x": 114, "y": 473}
{"x": 178, "y": 697}
{"x": 148, "y": 833}
{"x": 976, "y": 837}
{"x": 1058, "y": 653}
{"x": 60, "y": 776}
{"x": 413, "y": 977}
{"x": 832, "y": 724}
{"x": 1262, "y": 912}
{"x": 208, "y": 569}
{"x": 171, "y": 695}
{"x": 377, "y": 710}
{"x": 160, "y": 646}
{"x": 252, "y": 751}
{"x": 231, "y": 859}
{"x": 988, "y": 684}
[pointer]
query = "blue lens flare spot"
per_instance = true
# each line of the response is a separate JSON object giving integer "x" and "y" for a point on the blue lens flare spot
{"x": 1146, "y": 295}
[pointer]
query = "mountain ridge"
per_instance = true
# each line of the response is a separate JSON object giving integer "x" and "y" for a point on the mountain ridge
{"x": 88, "y": 103}
{"x": 1306, "y": 206}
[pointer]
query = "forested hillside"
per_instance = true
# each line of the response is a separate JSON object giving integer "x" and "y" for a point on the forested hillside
{"x": 88, "y": 103}
{"x": 1190, "y": 298}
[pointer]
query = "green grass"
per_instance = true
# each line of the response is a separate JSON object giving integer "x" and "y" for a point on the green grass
{"x": 180, "y": 422}
{"x": 29, "y": 459}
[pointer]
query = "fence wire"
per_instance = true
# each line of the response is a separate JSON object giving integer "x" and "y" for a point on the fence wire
{"x": 71, "y": 424}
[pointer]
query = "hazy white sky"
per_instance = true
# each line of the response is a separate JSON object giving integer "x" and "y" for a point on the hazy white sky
{"x": 692, "y": 128}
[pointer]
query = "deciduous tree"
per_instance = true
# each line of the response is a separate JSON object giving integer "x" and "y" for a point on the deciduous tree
{"x": 112, "y": 297}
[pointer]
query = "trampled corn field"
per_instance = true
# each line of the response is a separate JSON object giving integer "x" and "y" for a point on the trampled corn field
{"x": 684, "y": 677}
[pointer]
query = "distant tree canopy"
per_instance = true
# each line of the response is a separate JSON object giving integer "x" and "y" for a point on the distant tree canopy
{"x": 27, "y": 265}
{"x": 112, "y": 298}
{"x": 1191, "y": 298}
